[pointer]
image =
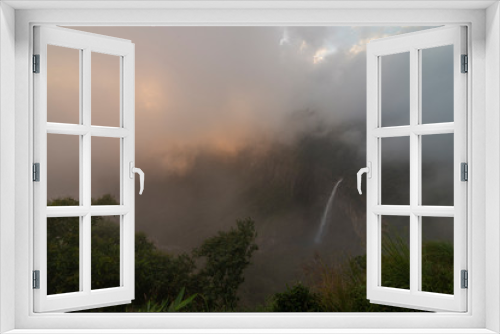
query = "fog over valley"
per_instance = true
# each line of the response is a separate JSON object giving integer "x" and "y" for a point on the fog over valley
{"x": 247, "y": 122}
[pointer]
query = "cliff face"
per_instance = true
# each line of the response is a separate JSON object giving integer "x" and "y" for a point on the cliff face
{"x": 283, "y": 185}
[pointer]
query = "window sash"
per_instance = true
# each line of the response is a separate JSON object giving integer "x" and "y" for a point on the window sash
{"x": 412, "y": 43}
{"x": 86, "y": 297}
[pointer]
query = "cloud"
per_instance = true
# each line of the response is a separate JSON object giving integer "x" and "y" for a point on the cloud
{"x": 228, "y": 121}
{"x": 225, "y": 89}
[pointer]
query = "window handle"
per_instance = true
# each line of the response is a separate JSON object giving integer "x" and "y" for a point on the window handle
{"x": 368, "y": 171}
{"x": 139, "y": 171}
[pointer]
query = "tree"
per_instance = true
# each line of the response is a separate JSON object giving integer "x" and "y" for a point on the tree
{"x": 63, "y": 254}
{"x": 227, "y": 254}
{"x": 63, "y": 249}
{"x": 105, "y": 254}
{"x": 299, "y": 298}
{"x": 159, "y": 276}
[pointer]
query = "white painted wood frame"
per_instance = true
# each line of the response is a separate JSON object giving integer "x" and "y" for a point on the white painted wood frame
{"x": 86, "y": 43}
{"x": 414, "y": 43}
{"x": 483, "y": 20}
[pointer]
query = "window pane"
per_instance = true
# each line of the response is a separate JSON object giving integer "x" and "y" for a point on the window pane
{"x": 395, "y": 171}
{"x": 396, "y": 252}
{"x": 437, "y": 254}
{"x": 105, "y": 171}
{"x": 63, "y": 85}
{"x": 105, "y": 90}
{"x": 63, "y": 170}
{"x": 63, "y": 255}
{"x": 105, "y": 252}
{"x": 395, "y": 89}
{"x": 437, "y": 169}
{"x": 437, "y": 84}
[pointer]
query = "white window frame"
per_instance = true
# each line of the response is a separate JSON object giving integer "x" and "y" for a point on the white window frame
{"x": 86, "y": 44}
{"x": 413, "y": 44}
{"x": 16, "y": 215}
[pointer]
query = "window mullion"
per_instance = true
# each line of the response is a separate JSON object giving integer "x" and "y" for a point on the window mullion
{"x": 414, "y": 172}
{"x": 86, "y": 122}
{"x": 418, "y": 117}
{"x": 85, "y": 177}
{"x": 80, "y": 187}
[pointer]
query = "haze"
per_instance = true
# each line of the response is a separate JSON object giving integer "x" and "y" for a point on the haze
{"x": 236, "y": 122}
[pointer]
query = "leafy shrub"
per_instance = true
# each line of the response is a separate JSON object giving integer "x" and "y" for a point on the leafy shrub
{"x": 296, "y": 299}
{"x": 177, "y": 305}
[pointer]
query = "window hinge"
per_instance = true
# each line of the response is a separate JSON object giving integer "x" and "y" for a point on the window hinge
{"x": 465, "y": 279}
{"x": 465, "y": 64}
{"x": 36, "y": 63}
{"x": 36, "y": 279}
{"x": 464, "y": 171}
{"x": 36, "y": 172}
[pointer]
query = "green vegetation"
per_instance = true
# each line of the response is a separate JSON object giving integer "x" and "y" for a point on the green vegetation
{"x": 395, "y": 261}
{"x": 437, "y": 267}
{"x": 342, "y": 287}
{"x": 63, "y": 255}
{"x": 227, "y": 255}
{"x": 176, "y": 306}
{"x": 298, "y": 298}
{"x": 210, "y": 276}
{"x": 207, "y": 279}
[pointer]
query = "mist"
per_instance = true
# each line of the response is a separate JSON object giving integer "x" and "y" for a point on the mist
{"x": 237, "y": 122}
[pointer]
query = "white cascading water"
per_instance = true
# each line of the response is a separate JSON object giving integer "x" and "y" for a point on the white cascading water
{"x": 326, "y": 212}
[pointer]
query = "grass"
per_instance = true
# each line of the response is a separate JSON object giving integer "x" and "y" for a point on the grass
{"x": 341, "y": 287}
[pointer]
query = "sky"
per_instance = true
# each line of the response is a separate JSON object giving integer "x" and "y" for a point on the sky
{"x": 221, "y": 88}
{"x": 229, "y": 121}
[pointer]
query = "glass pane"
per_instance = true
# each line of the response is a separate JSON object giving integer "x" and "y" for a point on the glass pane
{"x": 63, "y": 85}
{"x": 395, "y": 172}
{"x": 396, "y": 252}
{"x": 395, "y": 89}
{"x": 437, "y": 169}
{"x": 63, "y": 170}
{"x": 63, "y": 255}
{"x": 437, "y": 254}
{"x": 105, "y": 90}
{"x": 105, "y": 171}
{"x": 105, "y": 252}
{"x": 437, "y": 84}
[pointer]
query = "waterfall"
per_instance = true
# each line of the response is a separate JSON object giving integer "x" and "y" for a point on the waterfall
{"x": 326, "y": 213}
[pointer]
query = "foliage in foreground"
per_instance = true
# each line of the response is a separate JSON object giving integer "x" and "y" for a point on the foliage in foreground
{"x": 298, "y": 298}
{"x": 176, "y": 306}
{"x": 342, "y": 287}
{"x": 227, "y": 255}
{"x": 207, "y": 280}
{"x": 162, "y": 280}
